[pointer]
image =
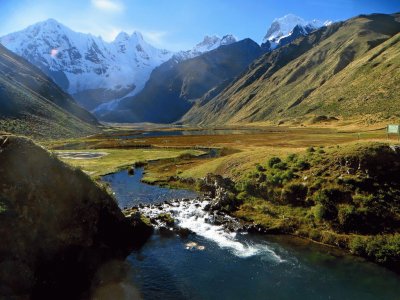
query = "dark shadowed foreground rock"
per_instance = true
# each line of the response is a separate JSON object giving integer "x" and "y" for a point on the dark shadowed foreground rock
{"x": 57, "y": 227}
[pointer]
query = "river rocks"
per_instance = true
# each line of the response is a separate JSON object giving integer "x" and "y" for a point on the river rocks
{"x": 166, "y": 218}
{"x": 57, "y": 227}
{"x": 143, "y": 228}
{"x": 184, "y": 232}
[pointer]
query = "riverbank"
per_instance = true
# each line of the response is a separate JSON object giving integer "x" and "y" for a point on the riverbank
{"x": 309, "y": 192}
{"x": 345, "y": 196}
{"x": 194, "y": 234}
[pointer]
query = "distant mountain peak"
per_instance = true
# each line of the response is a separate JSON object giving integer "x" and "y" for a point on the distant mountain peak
{"x": 228, "y": 39}
{"x": 121, "y": 37}
{"x": 283, "y": 28}
{"x": 137, "y": 35}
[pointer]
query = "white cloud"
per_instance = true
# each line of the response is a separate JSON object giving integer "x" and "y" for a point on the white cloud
{"x": 108, "y": 5}
{"x": 155, "y": 38}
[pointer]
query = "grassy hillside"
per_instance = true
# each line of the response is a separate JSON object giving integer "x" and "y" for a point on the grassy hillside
{"x": 347, "y": 71}
{"x": 173, "y": 86}
{"x": 31, "y": 104}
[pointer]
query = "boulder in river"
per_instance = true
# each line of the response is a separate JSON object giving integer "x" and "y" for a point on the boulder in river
{"x": 131, "y": 171}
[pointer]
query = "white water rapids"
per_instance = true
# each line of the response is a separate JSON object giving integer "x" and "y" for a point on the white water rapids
{"x": 190, "y": 214}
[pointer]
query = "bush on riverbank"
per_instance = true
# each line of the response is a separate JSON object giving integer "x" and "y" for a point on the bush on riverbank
{"x": 351, "y": 191}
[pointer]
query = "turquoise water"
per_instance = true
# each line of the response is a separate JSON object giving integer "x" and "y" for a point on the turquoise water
{"x": 215, "y": 264}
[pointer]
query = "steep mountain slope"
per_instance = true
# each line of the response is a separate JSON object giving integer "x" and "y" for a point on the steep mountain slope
{"x": 347, "y": 70}
{"x": 90, "y": 69}
{"x": 32, "y": 104}
{"x": 173, "y": 86}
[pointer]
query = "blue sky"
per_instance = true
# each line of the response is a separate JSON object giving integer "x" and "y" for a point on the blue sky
{"x": 179, "y": 24}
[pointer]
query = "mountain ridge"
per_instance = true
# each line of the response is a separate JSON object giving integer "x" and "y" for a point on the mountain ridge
{"x": 278, "y": 87}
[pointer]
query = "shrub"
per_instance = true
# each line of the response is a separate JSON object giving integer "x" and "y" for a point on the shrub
{"x": 248, "y": 185}
{"x": 303, "y": 165}
{"x": 318, "y": 212}
{"x": 317, "y": 185}
{"x": 295, "y": 194}
{"x": 310, "y": 149}
{"x": 287, "y": 175}
{"x": 328, "y": 238}
{"x": 348, "y": 217}
{"x": 325, "y": 198}
{"x": 260, "y": 168}
{"x": 381, "y": 248}
{"x": 273, "y": 160}
{"x": 292, "y": 157}
{"x": 280, "y": 166}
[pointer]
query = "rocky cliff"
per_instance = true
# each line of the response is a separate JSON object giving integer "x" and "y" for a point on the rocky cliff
{"x": 57, "y": 227}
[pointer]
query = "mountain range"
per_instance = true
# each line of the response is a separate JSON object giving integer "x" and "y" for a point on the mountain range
{"x": 303, "y": 71}
{"x": 99, "y": 74}
{"x": 91, "y": 70}
{"x": 177, "y": 84}
{"x": 349, "y": 70}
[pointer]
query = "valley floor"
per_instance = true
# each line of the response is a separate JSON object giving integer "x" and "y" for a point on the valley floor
{"x": 286, "y": 178}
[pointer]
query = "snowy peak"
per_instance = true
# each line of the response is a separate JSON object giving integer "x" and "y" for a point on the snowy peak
{"x": 80, "y": 62}
{"x": 121, "y": 37}
{"x": 228, "y": 39}
{"x": 209, "y": 43}
{"x": 213, "y": 42}
{"x": 282, "y": 28}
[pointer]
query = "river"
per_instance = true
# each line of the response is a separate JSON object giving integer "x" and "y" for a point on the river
{"x": 215, "y": 264}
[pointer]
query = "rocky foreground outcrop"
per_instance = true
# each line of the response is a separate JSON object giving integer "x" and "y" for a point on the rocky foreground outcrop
{"x": 221, "y": 191}
{"x": 57, "y": 227}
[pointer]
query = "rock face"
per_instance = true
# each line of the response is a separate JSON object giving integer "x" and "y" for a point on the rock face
{"x": 222, "y": 192}
{"x": 56, "y": 225}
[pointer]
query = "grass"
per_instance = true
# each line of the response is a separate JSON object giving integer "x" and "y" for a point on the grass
{"x": 117, "y": 159}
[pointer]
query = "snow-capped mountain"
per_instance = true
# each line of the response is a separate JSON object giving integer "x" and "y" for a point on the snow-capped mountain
{"x": 209, "y": 43}
{"x": 286, "y": 29}
{"x": 92, "y": 70}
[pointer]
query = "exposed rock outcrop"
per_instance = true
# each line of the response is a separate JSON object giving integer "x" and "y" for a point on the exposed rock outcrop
{"x": 222, "y": 192}
{"x": 57, "y": 227}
